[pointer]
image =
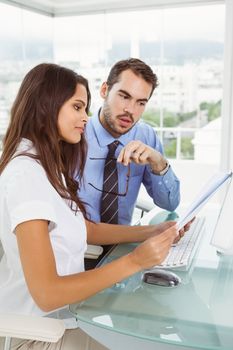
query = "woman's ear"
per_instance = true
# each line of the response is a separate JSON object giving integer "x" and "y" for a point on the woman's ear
{"x": 104, "y": 90}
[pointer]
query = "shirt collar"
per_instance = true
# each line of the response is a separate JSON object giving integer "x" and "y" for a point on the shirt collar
{"x": 104, "y": 137}
{"x": 26, "y": 145}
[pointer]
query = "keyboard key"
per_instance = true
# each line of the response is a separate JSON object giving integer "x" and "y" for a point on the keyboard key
{"x": 182, "y": 253}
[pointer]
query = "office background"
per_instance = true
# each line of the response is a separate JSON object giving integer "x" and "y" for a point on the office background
{"x": 189, "y": 44}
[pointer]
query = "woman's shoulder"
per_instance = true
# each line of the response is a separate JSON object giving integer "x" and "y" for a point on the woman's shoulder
{"x": 22, "y": 166}
{"x": 25, "y": 163}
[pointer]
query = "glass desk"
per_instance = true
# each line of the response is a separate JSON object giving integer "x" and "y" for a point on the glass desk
{"x": 196, "y": 314}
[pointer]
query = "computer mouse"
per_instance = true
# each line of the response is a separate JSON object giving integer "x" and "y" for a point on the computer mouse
{"x": 161, "y": 277}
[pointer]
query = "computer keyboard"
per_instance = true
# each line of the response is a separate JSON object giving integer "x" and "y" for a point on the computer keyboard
{"x": 182, "y": 253}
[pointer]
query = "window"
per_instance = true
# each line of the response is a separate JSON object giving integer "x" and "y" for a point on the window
{"x": 22, "y": 46}
{"x": 184, "y": 47}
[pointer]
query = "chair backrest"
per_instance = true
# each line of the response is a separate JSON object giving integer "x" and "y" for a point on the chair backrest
{"x": 28, "y": 327}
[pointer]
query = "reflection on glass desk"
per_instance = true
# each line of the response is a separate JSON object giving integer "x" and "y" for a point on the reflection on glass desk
{"x": 197, "y": 314}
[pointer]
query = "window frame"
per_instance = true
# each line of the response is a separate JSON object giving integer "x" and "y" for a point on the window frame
{"x": 227, "y": 107}
{"x": 83, "y": 7}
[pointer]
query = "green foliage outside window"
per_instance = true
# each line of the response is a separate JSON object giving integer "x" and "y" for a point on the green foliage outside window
{"x": 170, "y": 149}
{"x": 213, "y": 109}
{"x": 170, "y": 119}
{"x": 187, "y": 149}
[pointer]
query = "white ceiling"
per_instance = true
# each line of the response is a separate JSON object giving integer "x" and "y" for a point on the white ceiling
{"x": 74, "y": 7}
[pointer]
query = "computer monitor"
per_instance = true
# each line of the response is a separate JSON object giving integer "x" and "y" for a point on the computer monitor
{"x": 222, "y": 237}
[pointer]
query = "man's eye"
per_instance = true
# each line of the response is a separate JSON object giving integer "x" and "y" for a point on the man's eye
{"x": 142, "y": 104}
{"x": 125, "y": 97}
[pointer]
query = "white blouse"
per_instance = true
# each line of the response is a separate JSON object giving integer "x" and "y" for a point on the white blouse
{"x": 27, "y": 194}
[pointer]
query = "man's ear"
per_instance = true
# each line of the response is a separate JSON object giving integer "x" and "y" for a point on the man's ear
{"x": 104, "y": 90}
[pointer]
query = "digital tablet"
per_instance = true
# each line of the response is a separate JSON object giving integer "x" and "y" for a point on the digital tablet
{"x": 212, "y": 186}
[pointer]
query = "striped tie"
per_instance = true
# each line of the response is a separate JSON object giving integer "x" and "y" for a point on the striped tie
{"x": 109, "y": 201}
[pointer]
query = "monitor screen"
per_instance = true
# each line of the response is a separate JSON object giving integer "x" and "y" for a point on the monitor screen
{"x": 222, "y": 237}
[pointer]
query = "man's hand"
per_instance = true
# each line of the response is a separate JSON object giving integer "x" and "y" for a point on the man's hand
{"x": 139, "y": 153}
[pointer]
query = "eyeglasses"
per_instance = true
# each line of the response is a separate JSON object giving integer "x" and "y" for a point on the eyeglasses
{"x": 114, "y": 193}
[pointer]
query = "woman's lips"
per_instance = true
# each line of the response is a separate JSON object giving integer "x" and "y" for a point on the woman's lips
{"x": 81, "y": 130}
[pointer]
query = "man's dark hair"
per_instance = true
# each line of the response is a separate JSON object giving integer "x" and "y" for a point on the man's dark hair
{"x": 138, "y": 67}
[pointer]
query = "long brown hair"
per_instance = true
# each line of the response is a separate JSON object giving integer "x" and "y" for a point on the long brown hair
{"x": 34, "y": 116}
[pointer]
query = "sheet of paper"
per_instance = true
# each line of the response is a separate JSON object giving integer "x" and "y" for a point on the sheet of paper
{"x": 204, "y": 195}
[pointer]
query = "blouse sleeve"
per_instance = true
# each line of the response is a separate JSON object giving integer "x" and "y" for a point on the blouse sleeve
{"x": 29, "y": 197}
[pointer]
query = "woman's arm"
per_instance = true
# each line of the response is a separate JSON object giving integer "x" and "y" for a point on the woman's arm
{"x": 51, "y": 291}
{"x": 112, "y": 234}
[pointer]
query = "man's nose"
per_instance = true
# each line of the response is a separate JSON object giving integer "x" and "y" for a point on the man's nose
{"x": 130, "y": 107}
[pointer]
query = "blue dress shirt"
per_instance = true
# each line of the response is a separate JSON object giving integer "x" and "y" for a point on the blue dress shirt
{"x": 165, "y": 190}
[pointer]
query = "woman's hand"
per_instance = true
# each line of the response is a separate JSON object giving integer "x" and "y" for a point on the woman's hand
{"x": 183, "y": 230}
{"x": 163, "y": 226}
{"x": 155, "y": 249}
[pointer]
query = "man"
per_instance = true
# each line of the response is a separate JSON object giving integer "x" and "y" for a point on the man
{"x": 136, "y": 150}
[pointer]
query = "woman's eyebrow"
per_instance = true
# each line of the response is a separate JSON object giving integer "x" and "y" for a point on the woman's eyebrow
{"x": 81, "y": 101}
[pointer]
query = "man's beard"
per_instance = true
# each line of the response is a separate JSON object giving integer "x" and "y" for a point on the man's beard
{"x": 110, "y": 124}
{"x": 107, "y": 117}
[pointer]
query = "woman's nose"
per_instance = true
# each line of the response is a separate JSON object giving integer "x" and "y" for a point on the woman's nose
{"x": 85, "y": 117}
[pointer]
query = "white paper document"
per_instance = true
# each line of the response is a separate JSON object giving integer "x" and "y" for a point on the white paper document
{"x": 213, "y": 184}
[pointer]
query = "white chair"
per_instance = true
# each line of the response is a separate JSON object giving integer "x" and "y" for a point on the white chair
{"x": 144, "y": 205}
{"x": 93, "y": 251}
{"x": 29, "y": 327}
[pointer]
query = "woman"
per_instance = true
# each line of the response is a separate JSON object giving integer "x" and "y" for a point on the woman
{"x": 43, "y": 228}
